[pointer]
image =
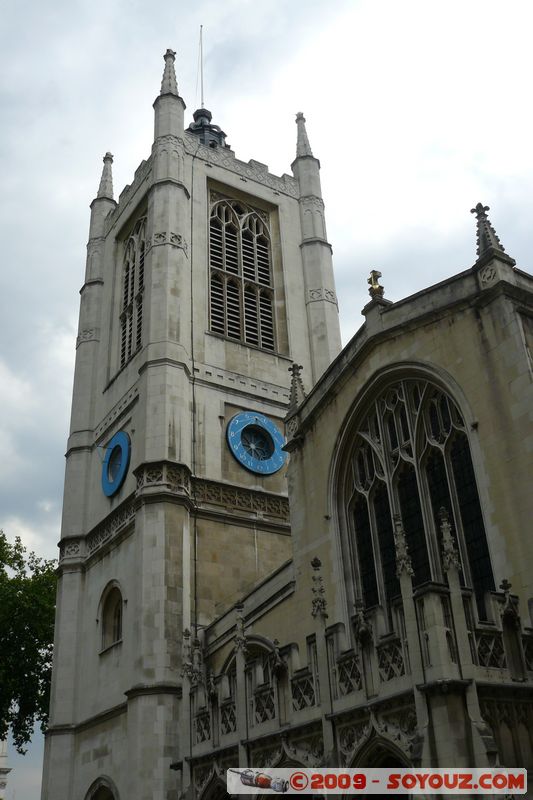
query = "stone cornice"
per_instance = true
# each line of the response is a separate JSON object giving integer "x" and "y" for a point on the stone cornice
{"x": 167, "y": 480}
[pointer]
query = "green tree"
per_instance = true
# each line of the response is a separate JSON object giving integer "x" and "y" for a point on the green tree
{"x": 27, "y": 608}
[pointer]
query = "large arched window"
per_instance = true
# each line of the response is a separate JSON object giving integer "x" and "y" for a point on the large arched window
{"x": 131, "y": 316}
{"x": 410, "y": 456}
{"x": 240, "y": 280}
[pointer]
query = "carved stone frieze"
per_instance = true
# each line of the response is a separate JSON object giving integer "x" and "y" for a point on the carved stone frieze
{"x": 71, "y": 549}
{"x": 234, "y": 498}
{"x": 117, "y": 521}
{"x": 169, "y": 237}
{"x": 328, "y": 295}
{"x": 252, "y": 170}
{"x": 88, "y": 335}
{"x": 393, "y": 721}
{"x": 488, "y": 275}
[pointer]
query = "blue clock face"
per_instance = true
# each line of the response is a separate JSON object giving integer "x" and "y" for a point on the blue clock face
{"x": 256, "y": 442}
{"x": 116, "y": 462}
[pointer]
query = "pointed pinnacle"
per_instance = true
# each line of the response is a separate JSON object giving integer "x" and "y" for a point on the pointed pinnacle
{"x": 303, "y": 148}
{"x": 106, "y": 181}
{"x": 168, "y": 84}
{"x": 487, "y": 240}
{"x": 297, "y": 393}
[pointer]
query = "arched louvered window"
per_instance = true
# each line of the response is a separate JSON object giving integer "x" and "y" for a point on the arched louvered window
{"x": 411, "y": 457}
{"x": 131, "y": 317}
{"x": 240, "y": 263}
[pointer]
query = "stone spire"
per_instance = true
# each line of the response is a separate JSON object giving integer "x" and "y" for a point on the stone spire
{"x": 169, "y": 84}
{"x": 488, "y": 243}
{"x": 303, "y": 148}
{"x": 297, "y": 393}
{"x": 106, "y": 181}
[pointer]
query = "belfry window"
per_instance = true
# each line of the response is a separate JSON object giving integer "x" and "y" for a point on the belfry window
{"x": 411, "y": 458}
{"x": 240, "y": 281}
{"x": 131, "y": 317}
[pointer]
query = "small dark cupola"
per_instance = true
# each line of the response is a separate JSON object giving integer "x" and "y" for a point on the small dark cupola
{"x": 209, "y": 134}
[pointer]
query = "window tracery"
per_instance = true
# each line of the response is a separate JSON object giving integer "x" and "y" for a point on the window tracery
{"x": 131, "y": 316}
{"x": 240, "y": 281}
{"x": 411, "y": 456}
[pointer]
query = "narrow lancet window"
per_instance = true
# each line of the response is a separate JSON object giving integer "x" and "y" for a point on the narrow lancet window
{"x": 131, "y": 317}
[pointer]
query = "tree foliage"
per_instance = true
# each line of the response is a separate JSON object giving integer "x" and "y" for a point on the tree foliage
{"x": 27, "y": 608}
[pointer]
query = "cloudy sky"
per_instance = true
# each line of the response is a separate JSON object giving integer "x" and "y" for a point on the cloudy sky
{"x": 417, "y": 110}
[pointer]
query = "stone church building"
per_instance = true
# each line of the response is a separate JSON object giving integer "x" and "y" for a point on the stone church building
{"x": 275, "y": 552}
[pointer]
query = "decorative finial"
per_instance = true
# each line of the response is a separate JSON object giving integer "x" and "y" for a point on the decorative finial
{"x": 303, "y": 148}
{"x": 297, "y": 393}
{"x": 319, "y": 603}
{"x": 376, "y": 291}
{"x": 487, "y": 240}
{"x": 362, "y": 625}
{"x": 450, "y": 554}
{"x": 106, "y": 181}
{"x": 240, "y": 638}
{"x": 168, "y": 84}
{"x": 403, "y": 559}
{"x": 505, "y": 586}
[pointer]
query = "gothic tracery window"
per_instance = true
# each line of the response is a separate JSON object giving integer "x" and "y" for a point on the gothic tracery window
{"x": 411, "y": 457}
{"x": 131, "y": 317}
{"x": 240, "y": 281}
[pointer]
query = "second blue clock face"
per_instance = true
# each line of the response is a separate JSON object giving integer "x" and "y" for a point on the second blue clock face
{"x": 116, "y": 462}
{"x": 256, "y": 442}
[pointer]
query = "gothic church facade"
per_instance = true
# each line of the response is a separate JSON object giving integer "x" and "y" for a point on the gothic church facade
{"x": 274, "y": 552}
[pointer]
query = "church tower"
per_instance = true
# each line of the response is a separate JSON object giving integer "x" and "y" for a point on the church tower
{"x": 204, "y": 283}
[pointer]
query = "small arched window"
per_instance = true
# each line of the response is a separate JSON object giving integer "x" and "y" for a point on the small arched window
{"x": 410, "y": 456}
{"x": 112, "y": 618}
{"x": 131, "y": 316}
{"x": 240, "y": 263}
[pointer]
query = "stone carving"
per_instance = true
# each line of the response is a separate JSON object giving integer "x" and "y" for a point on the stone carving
{"x": 351, "y": 736}
{"x": 202, "y": 726}
{"x": 297, "y": 392}
{"x": 240, "y": 634}
{"x": 268, "y": 757}
{"x": 263, "y": 704}
{"x": 450, "y": 554}
{"x": 88, "y": 335}
{"x": 319, "y": 603}
{"x": 228, "y": 718}
{"x": 362, "y": 625}
{"x": 307, "y": 750}
{"x": 349, "y": 677}
{"x": 125, "y": 402}
{"x": 169, "y": 237}
{"x": 313, "y": 295}
{"x": 70, "y": 548}
{"x": 488, "y": 275}
{"x": 392, "y": 721}
{"x": 403, "y": 560}
{"x": 312, "y": 200}
{"x": 390, "y": 661}
{"x": 490, "y": 652}
{"x": 509, "y": 611}
{"x": 174, "y": 478}
{"x": 239, "y": 499}
{"x": 303, "y": 692}
{"x": 117, "y": 521}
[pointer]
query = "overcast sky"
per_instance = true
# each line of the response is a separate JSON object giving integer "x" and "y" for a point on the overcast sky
{"x": 417, "y": 110}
